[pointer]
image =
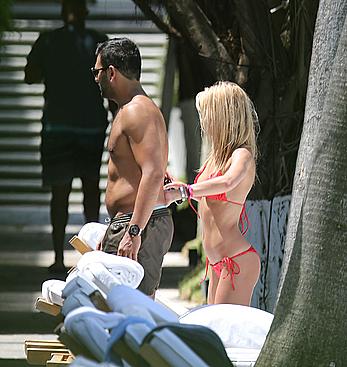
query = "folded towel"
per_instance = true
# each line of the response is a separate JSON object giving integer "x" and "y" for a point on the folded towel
{"x": 92, "y": 234}
{"x": 52, "y": 291}
{"x": 125, "y": 270}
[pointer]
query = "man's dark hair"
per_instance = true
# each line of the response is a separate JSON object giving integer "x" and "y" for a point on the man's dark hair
{"x": 123, "y": 54}
{"x": 77, "y": 7}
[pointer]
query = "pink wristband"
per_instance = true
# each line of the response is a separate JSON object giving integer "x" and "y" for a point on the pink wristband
{"x": 190, "y": 191}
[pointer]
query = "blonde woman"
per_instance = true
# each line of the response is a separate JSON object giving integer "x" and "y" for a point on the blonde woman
{"x": 227, "y": 119}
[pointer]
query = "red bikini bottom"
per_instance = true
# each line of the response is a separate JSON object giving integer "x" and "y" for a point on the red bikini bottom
{"x": 230, "y": 264}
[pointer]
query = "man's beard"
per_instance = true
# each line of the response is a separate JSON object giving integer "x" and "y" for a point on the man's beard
{"x": 103, "y": 91}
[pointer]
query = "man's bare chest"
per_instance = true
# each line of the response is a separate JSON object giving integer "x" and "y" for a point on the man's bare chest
{"x": 118, "y": 144}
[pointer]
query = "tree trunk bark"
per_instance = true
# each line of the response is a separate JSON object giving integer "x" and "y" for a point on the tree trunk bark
{"x": 195, "y": 27}
{"x": 310, "y": 321}
{"x": 330, "y": 20}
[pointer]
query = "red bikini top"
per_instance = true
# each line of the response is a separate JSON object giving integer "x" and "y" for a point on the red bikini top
{"x": 223, "y": 197}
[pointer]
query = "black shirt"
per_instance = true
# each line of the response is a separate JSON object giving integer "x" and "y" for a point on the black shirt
{"x": 72, "y": 98}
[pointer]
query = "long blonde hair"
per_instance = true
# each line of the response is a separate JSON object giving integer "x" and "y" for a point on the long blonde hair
{"x": 228, "y": 120}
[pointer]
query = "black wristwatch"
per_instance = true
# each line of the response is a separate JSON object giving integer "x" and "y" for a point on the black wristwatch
{"x": 134, "y": 230}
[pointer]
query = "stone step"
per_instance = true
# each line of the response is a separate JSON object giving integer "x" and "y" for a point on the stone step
{"x": 119, "y": 26}
{"x": 17, "y": 63}
{"x": 28, "y": 171}
{"x": 18, "y": 157}
{"x": 21, "y": 89}
{"x": 21, "y": 103}
{"x": 17, "y": 42}
{"x": 27, "y": 144}
{"x": 9, "y": 77}
{"x": 26, "y": 90}
{"x": 31, "y": 185}
{"x": 17, "y": 129}
{"x": 31, "y": 218}
{"x": 120, "y": 10}
{"x": 28, "y": 115}
{"x": 33, "y": 198}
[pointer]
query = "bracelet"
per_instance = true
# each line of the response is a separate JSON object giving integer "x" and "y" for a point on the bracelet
{"x": 190, "y": 191}
{"x": 184, "y": 192}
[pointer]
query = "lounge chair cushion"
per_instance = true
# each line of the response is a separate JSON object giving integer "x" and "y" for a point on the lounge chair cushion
{"x": 129, "y": 301}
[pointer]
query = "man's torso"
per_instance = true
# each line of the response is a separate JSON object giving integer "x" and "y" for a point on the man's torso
{"x": 124, "y": 174}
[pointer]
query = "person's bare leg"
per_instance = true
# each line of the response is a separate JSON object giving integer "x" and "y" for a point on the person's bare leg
{"x": 91, "y": 199}
{"x": 244, "y": 282}
{"x": 59, "y": 217}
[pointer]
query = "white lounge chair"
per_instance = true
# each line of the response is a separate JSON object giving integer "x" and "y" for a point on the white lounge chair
{"x": 144, "y": 333}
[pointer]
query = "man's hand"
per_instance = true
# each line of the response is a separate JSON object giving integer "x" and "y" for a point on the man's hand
{"x": 129, "y": 246}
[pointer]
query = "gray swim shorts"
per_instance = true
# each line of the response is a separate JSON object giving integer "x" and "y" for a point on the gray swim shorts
{"x": 156, "y": 240}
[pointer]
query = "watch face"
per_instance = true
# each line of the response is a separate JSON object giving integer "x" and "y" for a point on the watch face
{"x": 134, "y": 230}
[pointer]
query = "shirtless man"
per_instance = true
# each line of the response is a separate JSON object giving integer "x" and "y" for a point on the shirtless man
{"x": 141, "y": 227}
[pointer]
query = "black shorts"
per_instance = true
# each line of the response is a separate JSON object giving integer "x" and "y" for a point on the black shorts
{"x": 156, "y": 240}
{"x": 65, "y": 155}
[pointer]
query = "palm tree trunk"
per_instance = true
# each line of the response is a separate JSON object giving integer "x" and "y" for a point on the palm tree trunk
{"x": 310, "y": 322}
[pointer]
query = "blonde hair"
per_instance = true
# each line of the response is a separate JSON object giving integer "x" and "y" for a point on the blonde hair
{"x": 228, "y": 120}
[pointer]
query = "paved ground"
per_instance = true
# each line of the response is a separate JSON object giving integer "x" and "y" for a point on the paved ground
{"x": 24, "y": 256}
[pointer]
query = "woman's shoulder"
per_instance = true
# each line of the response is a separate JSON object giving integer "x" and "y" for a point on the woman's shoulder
{"x": 242, "y": 159}
{"x": 242, "y": 153}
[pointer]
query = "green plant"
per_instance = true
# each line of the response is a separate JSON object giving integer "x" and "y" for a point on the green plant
{"x": 190, "y": 287}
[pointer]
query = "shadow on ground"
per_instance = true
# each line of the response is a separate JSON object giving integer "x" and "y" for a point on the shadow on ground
{"x": 13, "y": 363}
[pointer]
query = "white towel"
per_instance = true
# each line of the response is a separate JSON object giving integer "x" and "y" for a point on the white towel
{"x": 127, "y": 272}
{"x": 103, "y": 270}
{"x": 52, "y": 291}
{"x": 237, "y": 326}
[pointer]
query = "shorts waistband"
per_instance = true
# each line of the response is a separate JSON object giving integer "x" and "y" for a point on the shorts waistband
{"x": 160, "y": 212}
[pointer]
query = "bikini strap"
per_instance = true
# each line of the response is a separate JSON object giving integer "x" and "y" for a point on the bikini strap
{"x": 250, "y": 249}
{"x": 233, "y": 268}
{"x": 192, "y": 206}
{"x": 199, "y": 173}
{"x": 235, "y": 202}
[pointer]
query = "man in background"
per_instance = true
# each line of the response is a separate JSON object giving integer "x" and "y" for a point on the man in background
{"x": 74, "y": 119}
